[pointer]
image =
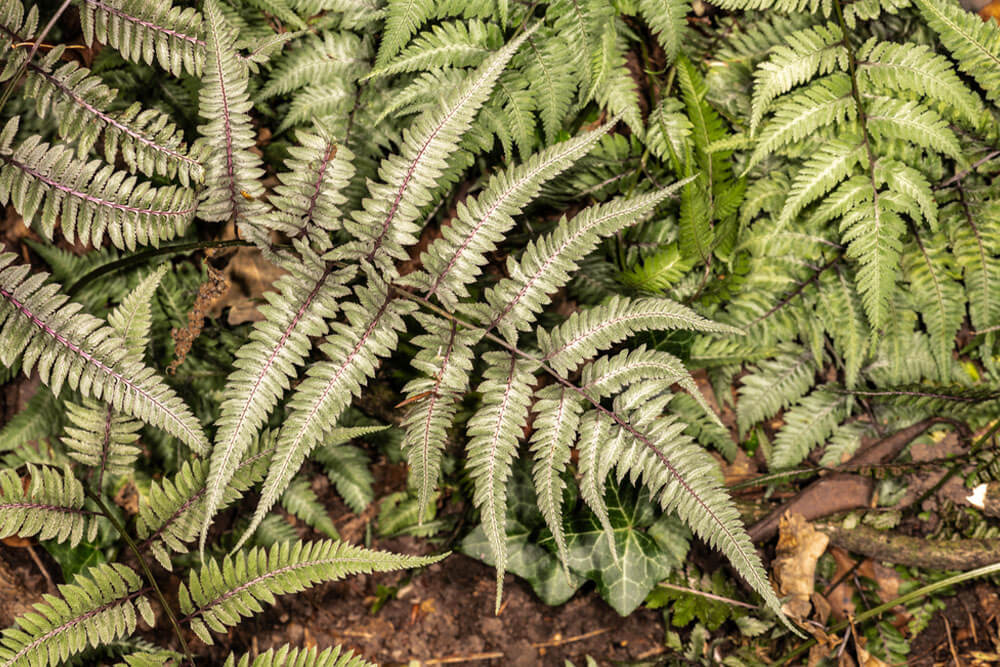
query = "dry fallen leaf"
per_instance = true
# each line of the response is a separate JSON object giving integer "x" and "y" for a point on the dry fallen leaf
{"x": 249, "y": 276}
{"x": 799, "y": 547}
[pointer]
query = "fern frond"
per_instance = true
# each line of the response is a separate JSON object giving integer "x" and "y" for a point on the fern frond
{"x": 914, "y": 188}
{"x": 547, "y": 262}
{"x": 844, "y": 320}
{"x": 556, "y": 425}
{"x": 821, "y": 103}
{"x": 300, "y": 501}
{"x": 451, "y": 44}
{"x": 807, "y": 425}
{"x": 100, "y": 605}
{"x": 909, "y": 121}
{"x": 613, "y": 86}
{"x": 219, "y": 594}
{"x": 147, "y": 140}
{"x": 403, "y": 18}
{"x": 266, "y": 365}
{"x": 915, "y": 68}
{"x": 444, "y": 356}
{"x": 940, "y": 299}
{"x": 668, "y": 132}
{"x": 658, "y": 271}
{"x": 49, "y": 506}
{"x": 824, "y": 170}
{"x": 976, "y": 245}
{"x": 347, "y": 468}
{"x": 40, "y": 418}
{"x": 684, "y": 478}
{"x": 66, "y": 345}
{"x": 551, "y": 76}
{"x": 147, "y": 30}
{"x": 232, "y": 170}
{"x": 47, "y": 184}
{"x": 581, "y": 23}
{"x": 100, "y": 437}
{"x": 353, "y": 349}
{"x": 456, "y": 259}
{"x": 311, "y": 188}
{"x": 803, "y": 55}
{"x": 337, "y": 58}
{"x": 873, "y": 233}
{"x": 323, "y": 103}
{"x": 974, "y": 44}
{"x": 668, "y": 20}
{"x": 776, "y": 383}
{"x": 133, "y": 317}
{"x": 588, "y": 331}
{"x": 386, "y": 223}
{"x": 494, "y": 431}
{"x": 172, "y": 512}
{"x": 287, "y": 656}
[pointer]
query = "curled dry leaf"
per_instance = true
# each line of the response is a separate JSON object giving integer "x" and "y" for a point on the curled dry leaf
{"x": 799, "y": 547}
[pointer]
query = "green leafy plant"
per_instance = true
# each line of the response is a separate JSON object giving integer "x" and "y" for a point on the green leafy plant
{"x": 525, "y": 221}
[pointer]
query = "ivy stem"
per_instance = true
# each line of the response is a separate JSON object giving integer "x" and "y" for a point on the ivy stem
{"x": 141, "y": 257}
{"x": 145, "y": 569}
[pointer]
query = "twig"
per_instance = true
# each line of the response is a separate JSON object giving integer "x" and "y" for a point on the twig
{"x": 710, "y": 596}
{"x": 798, "y": 290}
{"x": 570, "y": 640}
{"x": 951, "y": 644}
{"x": 962, "y": 174}
{"x": 41, "y": 566}
{"x": 464, "y": 658}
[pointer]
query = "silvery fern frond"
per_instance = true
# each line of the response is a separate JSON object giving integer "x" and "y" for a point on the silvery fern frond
{"x": 219, "y": 594}
{"x": 50, "y": 505}
{"x": 233, "y": 171}
{"x": 147, "y": 31}
{"x": 48, "y": 184}
{"x": 974, "y": 44}
{"x": 67, "y": 346}
{"x": 100, "y": 605}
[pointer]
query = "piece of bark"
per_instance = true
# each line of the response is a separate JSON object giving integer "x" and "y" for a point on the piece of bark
{"x": 899, "y": 549}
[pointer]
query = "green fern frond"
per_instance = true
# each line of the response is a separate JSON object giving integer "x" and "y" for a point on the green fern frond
{"x": 581, "y": 23}
{"x": 455, "y": 259}
{"x": 47, "y": 184}
{"x": 99, "y": 606}
{"x": 318, "y": 104}
{"x": 976, "y": 246}
{"x": 823, "y": 102}
{"x": 172, "y": 512}
{"x": 974, "y": 44}
{"x": 803, "y": 55}
{"x": 909, "y": 121}
{"x": 844, "y": 320}
{"x": 668, "y": 132}
{"x": 613, "y": 86}
{"x": 219, "y": 594}
{"x": 552, "y": 79}
{"x": 913, "y": 67}
{"x": 64, "y": 344}
{"x": 287, "y": 656}
{"x": 668, "y": 21}
{"x": 807, "y": 425}
{"x": 823, "y": 171}
{"x": 347, "y": 468}
{"x": 940, "y": 298}
{"x": 444, "y": 357}
{"x": 451, "y": 44}
{"x": 41, "y": 417}
{"x": 494, "y": 431}
{"x": 49, "y": 506}
{"x": 776, "y": 384}
{"x": 657, "y": 272}
{"x": 280, "y": 10}
{"x": 337, "y": 58}
{"x": 301, "y": 501}
{"x": 873, "y": 233}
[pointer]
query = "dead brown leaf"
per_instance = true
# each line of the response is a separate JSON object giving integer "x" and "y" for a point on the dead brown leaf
{"x": 799, "y": 547}
{"x": 249, "y": 276}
